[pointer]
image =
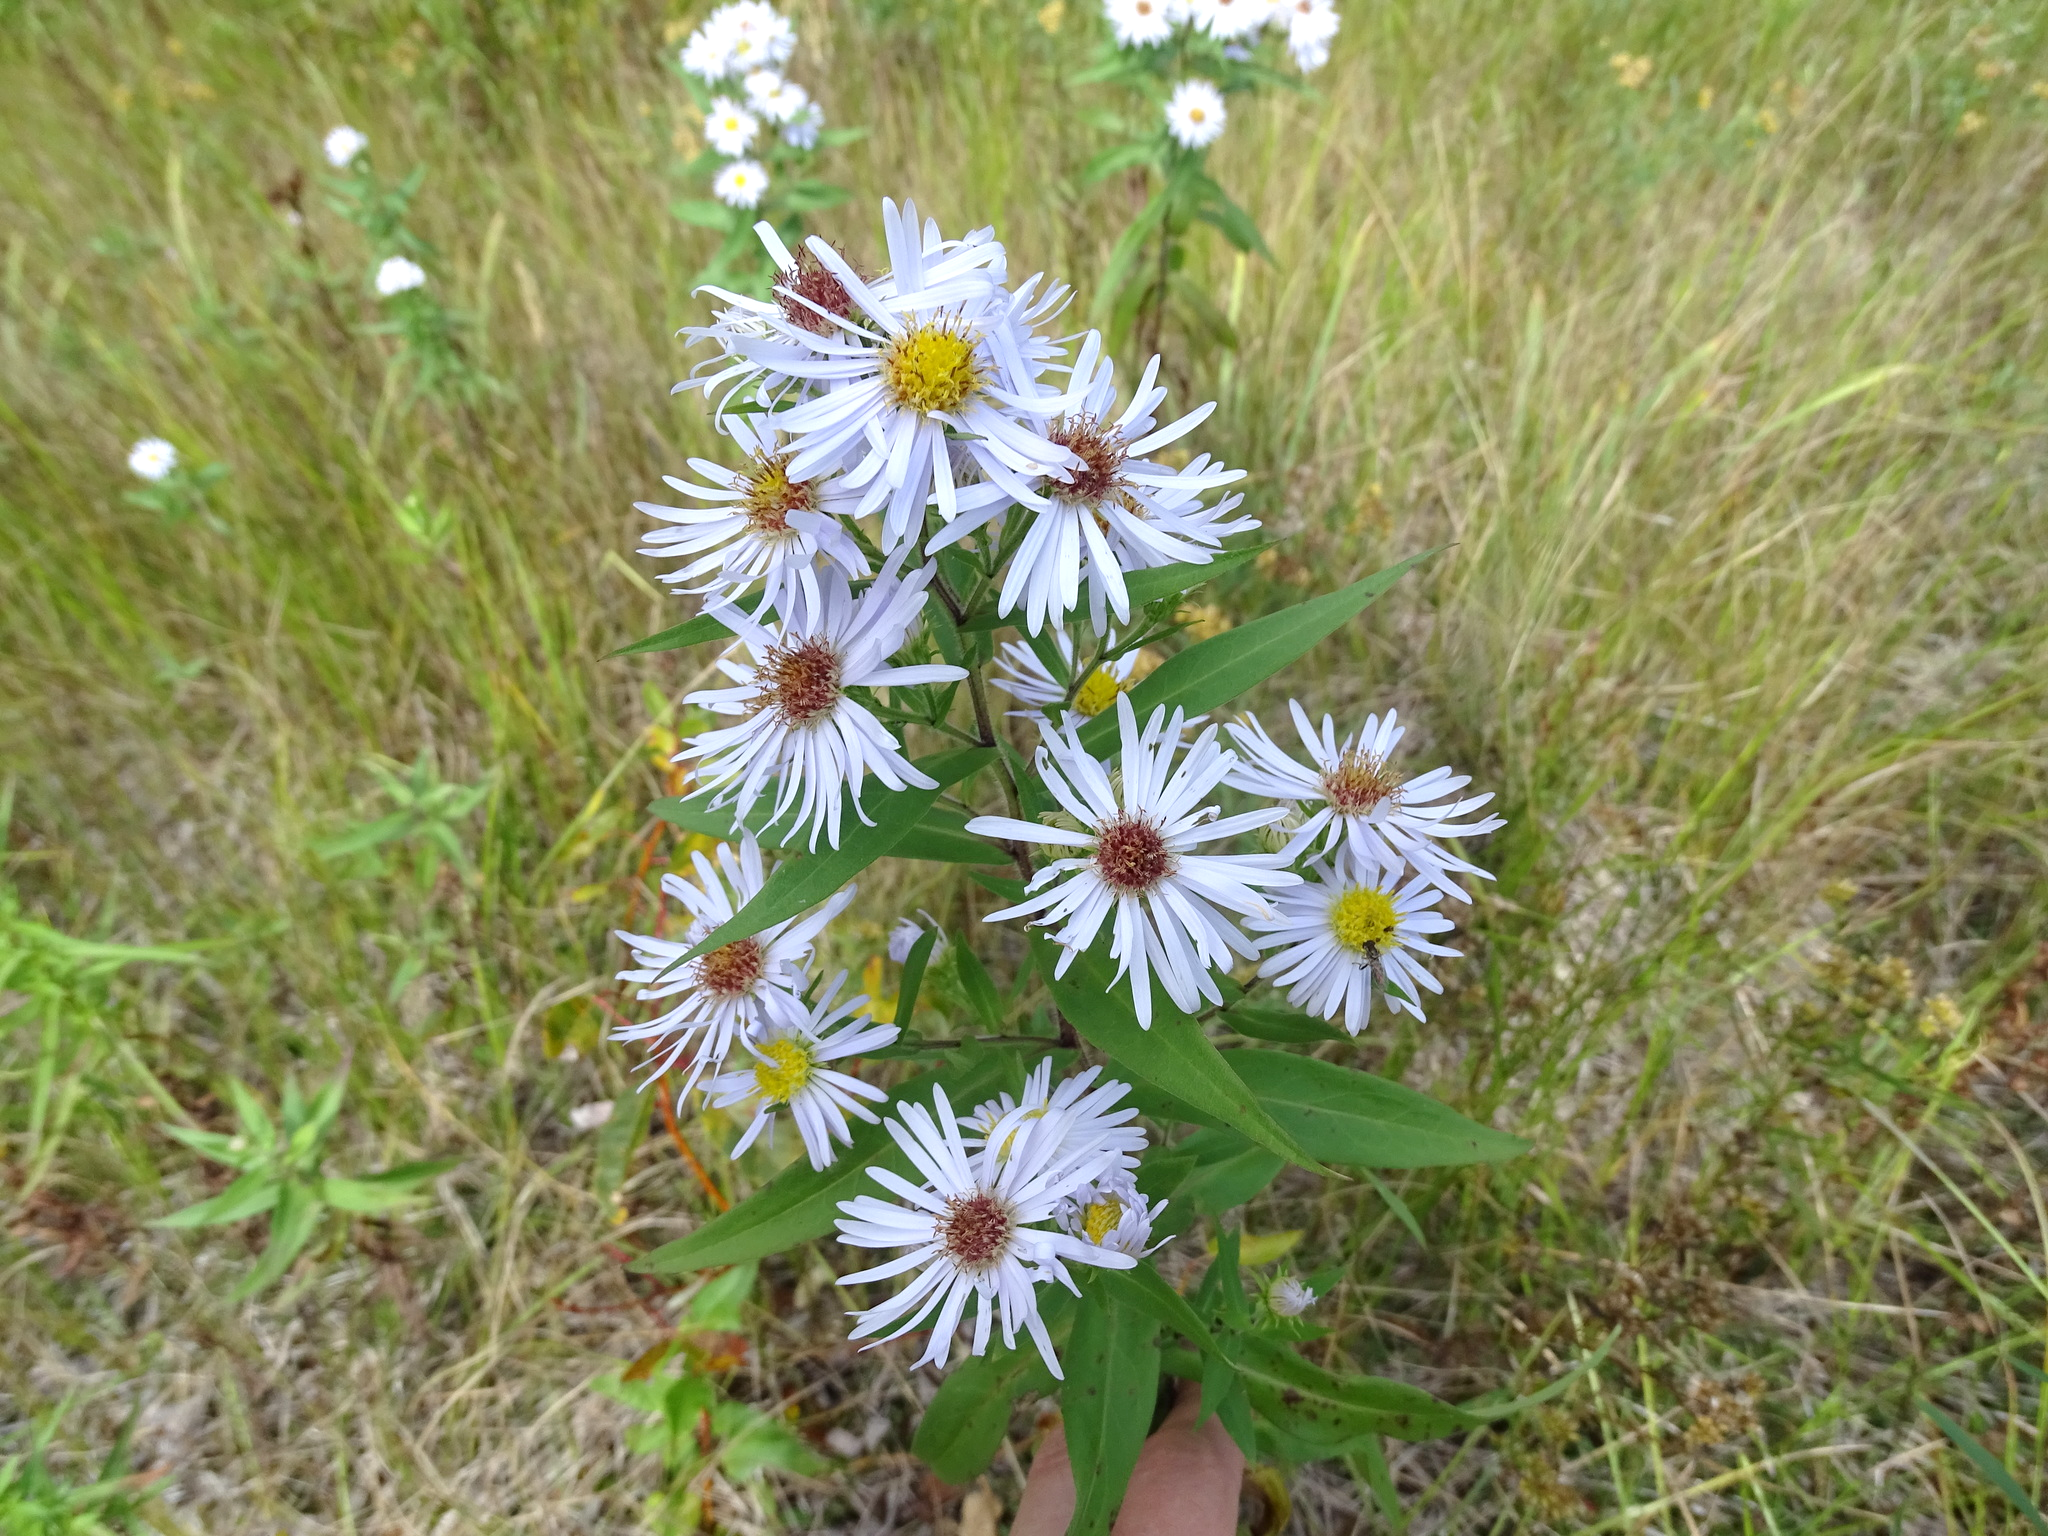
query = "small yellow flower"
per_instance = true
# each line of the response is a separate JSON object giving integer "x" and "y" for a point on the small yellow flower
{"x": 1969, "y": 123}
{"x": 674, "y": 33}
{"x": 1767, "y": 120}
{"x": 1706, "y": 97}
{"x": 1052, "y": 15}
{"x": 881, "y": 1006}
{"x": 1941, "y": 1018}
{"x": 2039, "y": 88}
{"x": 1994, "y": 69}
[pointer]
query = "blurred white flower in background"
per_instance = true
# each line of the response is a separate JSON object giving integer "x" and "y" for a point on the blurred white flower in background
{"x": 398, "y": 274}
{"x": 1311, "y": 26}
{"x": 802, "y": 130}
{"x": 1289, "y": 1297}
{"x": 1139, "y": 23}
{"x": 343, "y": 144}
{"x": 152, "y": 458}
{"x": 1195, "y": 115}
{"x": 729, "y": 127}
{"x": 908, "y": 930}
{"x": 741, "y": 184}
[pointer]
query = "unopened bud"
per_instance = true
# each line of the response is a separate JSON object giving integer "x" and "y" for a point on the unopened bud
{"x": 1064, "y": 820}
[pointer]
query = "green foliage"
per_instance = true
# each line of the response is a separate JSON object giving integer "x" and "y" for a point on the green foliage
{"x": 426, "y": 814}
{"x": 36, "y": 1500}
{"x": 280, "y": 1173}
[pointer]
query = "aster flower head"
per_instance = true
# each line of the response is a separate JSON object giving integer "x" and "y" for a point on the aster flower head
{"x": 1289, "y": 1297}
{"x": 1355, "y": 794}
{"x": 1195, "y": 115}
{"x": 1139, "y": 23}
{"x": 1350, "y": 928}
{"x": 1023, "y": 674}
{"x": 908, "y": 930}
{"x": 1228, "y": 20}
{"x": 973, "y": 1232}
{"x": 398, "y": 274}
{"x": 729, "y": 127}
{"x": 1135, "y": 861}
{"x": 736, "y": 990}
{"x": 1094, "y": 1125}
{"x": 760, "y": 525}
{"x": 941, "y": 347}
{"x": 1112, "y": 1214}
{"x": 342, "y": 145}
{"x": 740, "y": 184}
{"x": 789, "y": 1072}
{"x": 759, "y": 36}
{"x": 152, "y": 458}
{"x": 1112, "y": 510}
{"x": 800, "y": 726}
{"x": 1311, "y": 28}
{"x": 775, "y": 98}
{"x": 801, "y": 129}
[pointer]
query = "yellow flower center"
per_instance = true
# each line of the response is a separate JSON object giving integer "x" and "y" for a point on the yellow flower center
{"x": 1363, "y": 919}
{"x": 1099, "y": 1217}
{"x": 783, "y": 1075}
{"x": 1009, "y": 1140}
{"x": 931, "y": 368}
{"x": 1097, "y": 694}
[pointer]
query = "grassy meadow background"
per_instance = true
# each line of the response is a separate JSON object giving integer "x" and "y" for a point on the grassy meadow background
{"x": 1729, "y": 380}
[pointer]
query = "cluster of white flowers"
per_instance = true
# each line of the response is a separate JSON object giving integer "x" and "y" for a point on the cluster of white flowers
{"x": 1011, "y": 1194}
{"x": 1309, "y": 26}
{"x": 745, "y": 44}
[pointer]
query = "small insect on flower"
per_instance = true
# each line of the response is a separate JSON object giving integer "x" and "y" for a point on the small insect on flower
{"x": 1195, "y": 115}
{"x": 398, "y": 274}
{"x": 971, "y": 1231}
{"x": 729, "y": 127}
{"x": 152, "y": 458}
{"x": 741, "y": 184}
{"x": 342, "y": 145}
{"x": 1288, "y": 1297}
{"x": 789, "y": 1072}
{"x": 1134, "y": 861}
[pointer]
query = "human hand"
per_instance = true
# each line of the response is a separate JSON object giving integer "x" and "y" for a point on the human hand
{"x": 1186, "y": 1481}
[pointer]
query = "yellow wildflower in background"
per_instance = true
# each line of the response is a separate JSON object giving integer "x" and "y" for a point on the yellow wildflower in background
{"x": 1941, "y": 1018}
{"x": 1706, "y": 97}
{"x": 2039, "y": 88}
{"x": 1767, "y": 120}
{"x": 1969, "y": 123}
{"x": 881, "y": 1006}
{"x": 1994, "y": 69}
{"x": 1631, "y": 70}
{"x": 1052, "y": 15}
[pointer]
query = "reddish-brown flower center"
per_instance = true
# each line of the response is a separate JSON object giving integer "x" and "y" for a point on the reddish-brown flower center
{"x": 772, "y": 495}
{"x": 976, "y": 1229}
{"x": 810, "y": 279}
{"x": 1131, "y": 856}
{"x": 1359, "y": 782}
{"x": 729, "y": 971}
{"x": 799, "y": 682}
{"x": 1101, "y": 451}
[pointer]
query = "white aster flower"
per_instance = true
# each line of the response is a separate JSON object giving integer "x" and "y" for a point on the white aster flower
{"x": 152, "y": 458}
{"x": 759, "y": 85}
{"x": 789, "y": 1072}
{"x": 1114, "y": 510}
{"x": 1226, "y": 20}
{"x": 777, "y": 99}
{"x": 1112, "y": 1214}
{"x": 945, "y": 347}
{"x": 1346, "y": 929}
{"x": 1139, "y": 23}
{"x": 708, "y": 53}
{"x": 1288, "y": 1297}
{"x": 804, "y": 126}
{"x": 971, "y": 1232}
{"x": 740, "y": 184}
{"x": 1025, "y": 677}
{"x": 1195, "y": 115}
{"x": 759, "y": 37}
{"x": 1311, "y": 28}
{"x": 1094, "y": 1127}
{"x": 761, "y": 526}
{"x": 342, "y": 145}
{"x": 398, "y": 274}
{"x": 908, "y": 930}
{"x": 801, "y": 726}
{"x": 1359, "y": 797}
{"x": 729, "y": 127}
{"x": 1135, "y": 860}
{"x": 737, "y": 989}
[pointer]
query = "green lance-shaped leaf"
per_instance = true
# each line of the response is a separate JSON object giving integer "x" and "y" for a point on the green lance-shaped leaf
{"x": 692, "y": 631}
{"x": 804, "y": 880}
{"x": 964, "y": 1425}
{"x": 250, "y": 1195}
{"x": 1330, "y": 1415}
{"x": 911, "y": 982}
{"x": 1145, "y": 1290}
{"x": 1988, "y": 1464}
{"x": 1112, "y": 1366}
{"x": 293, "y": 1221}
{"x": 1341, "y": 1115}
{"x": 1173, "y": 1055}
{"x": 1288, "y": 1026}
{"x": 1217, "y": 670}
{"x": 1228, "y": 1170}
{"x": 800, "y": 1203}
{"x": 377, "y": 1193}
